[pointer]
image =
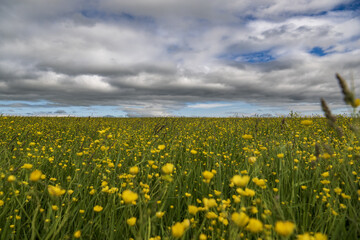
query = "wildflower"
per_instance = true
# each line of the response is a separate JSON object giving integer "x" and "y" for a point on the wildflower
{"x": 240, "y": 219}
{"x": 280, "y": 155}
{"x": 161, "y": 147}
{"x": 193, "y": 151}
{"x": 35, "y": 176}
{"x": 178, "y": 230}
{"x": 284, "y": 228}
{"x": 129, "y": 197}
{"x": 209, "y": 203}
{"x": 211, "y": 215}
{"x": 167, "y": 168}
{"x": 208, "y": 175}
{"x": 192, "y": 209}
{"x": 11, "y": 178}
{"x": 338, "y": 190}
{"x": 202, "y": 237}
{"x": 27, "y": 166}
{"x": 252, "y": 160}
{"x": 77, "y": 234}
{"x": 159, "y": 214}
{"x": 306, "y": 122}
{"x": 254, "y": 225}
{"x": 54, "y": 207}
{"x": 305, "y": 236}
{"x": 320, "y": 236}
{"x": 247, "y": 136}
{"x": 134, "y": 170}
{"x": 55, "y": 191}
{"x": 1, "y": 203}
{"x": 325, "y": 174}
{"x": 98, "y": 208}
{"x": 131, "y": 221}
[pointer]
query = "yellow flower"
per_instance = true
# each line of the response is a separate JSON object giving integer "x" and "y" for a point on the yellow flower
{"x": 27, "y": 166}
{"x": 77, "y": 234}
{"x": 161, "y": 147}
{"x": 320, "y": 236}
{"x": 356, "y": 103}
{"x": 178, "y": 230}
{"x": 209, "y": 203}
{"x": 193, "y": 151}
{"x": 305, "y": 236}
{"x": 202, "y": 237}
{"x": 240, "y": 181}
{"x": 168, "y": 168}
{"x": 55, "y": 191}
{"x": 208, "y": 175}
{"x": 254, "y": 225}
{"x": 98, "y": 208}
{"x": 306, "y": 122}
{"x": 129, "y": 196}
{"x": 159, "y": 214}
{"x": 131, "y": 221}
{"x": 211, "y": 215}
{"x": 284, "y": 228}
{"x": 11, "y": 178}
{"x": 35, "y": 175}
{"x": 246, "y": 136}
{"x": 54, "y": 207}
{"x": 134, "y": 170}
{"x": 1, "y": 203}
{"x": 252, "y": 160}
{"x": 240, "y": 219}
{"x": 337, "y": 190}
{"x": 192, "y": 209}
{"x": 280, "y": 155}
{"x": 325, "y": 174}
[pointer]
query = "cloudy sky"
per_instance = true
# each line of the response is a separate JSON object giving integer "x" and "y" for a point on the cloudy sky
{"x": 176, "y": 58}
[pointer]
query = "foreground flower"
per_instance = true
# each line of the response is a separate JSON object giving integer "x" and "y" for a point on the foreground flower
{"x": 167, "y": 168}
{"x": 134, "y": 170}
{"x": 27, "y": 166}
{"x": 129, "y": 196}
{"x": 252, "y": 160}
{"x": 284, "y": 228}
{"x": 55, "y": 191}
{"x": 77, "y": 234}
{"x": 306, "y": 122}
{"x": 35, "y": 176}
{"x": 240, "y": 219}
{"x": 98, "y": 208}
{"x": 254, "y": 225}
{"x": 11, "y": 178}
{"x": 161, "y": 147}
{"x": 193, "y": 209}
{"x": 178, "y": 230}
{"x": 208, "y": 176}
{"x": 131, "y": 221}
{"x": 246, "y": 136}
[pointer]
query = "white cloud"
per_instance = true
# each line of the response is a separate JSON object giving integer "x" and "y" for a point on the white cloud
{"x": 209, "y": 105}
{"x": 163, "y": 55}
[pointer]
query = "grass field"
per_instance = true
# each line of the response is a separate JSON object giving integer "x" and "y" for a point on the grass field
{"x": 187, "y": 178}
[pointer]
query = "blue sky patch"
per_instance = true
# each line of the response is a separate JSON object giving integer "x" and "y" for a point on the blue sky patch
{"x": 254, "y": 57}
{"x": 318, "y": 51}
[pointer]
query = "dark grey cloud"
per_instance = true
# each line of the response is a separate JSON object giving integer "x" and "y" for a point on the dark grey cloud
{"x": 154, "y": 58}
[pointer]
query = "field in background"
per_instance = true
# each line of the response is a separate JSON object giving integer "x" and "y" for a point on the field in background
{"x": 187, "y": 178}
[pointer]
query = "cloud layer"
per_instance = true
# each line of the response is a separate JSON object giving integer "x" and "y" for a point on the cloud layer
{"x": 157, "y": 57}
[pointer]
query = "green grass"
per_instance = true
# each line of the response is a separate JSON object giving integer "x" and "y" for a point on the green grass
{"x": 74, "y": 154}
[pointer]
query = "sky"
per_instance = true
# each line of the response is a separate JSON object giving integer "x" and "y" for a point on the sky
{"x": 204, "y": 58}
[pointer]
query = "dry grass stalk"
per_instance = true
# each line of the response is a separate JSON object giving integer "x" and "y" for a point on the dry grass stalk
{"x": 331, "y": 119}
{"x": 348, "y": 95}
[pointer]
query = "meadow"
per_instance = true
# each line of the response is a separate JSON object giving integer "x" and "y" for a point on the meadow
{"x": 179, "y": 178}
